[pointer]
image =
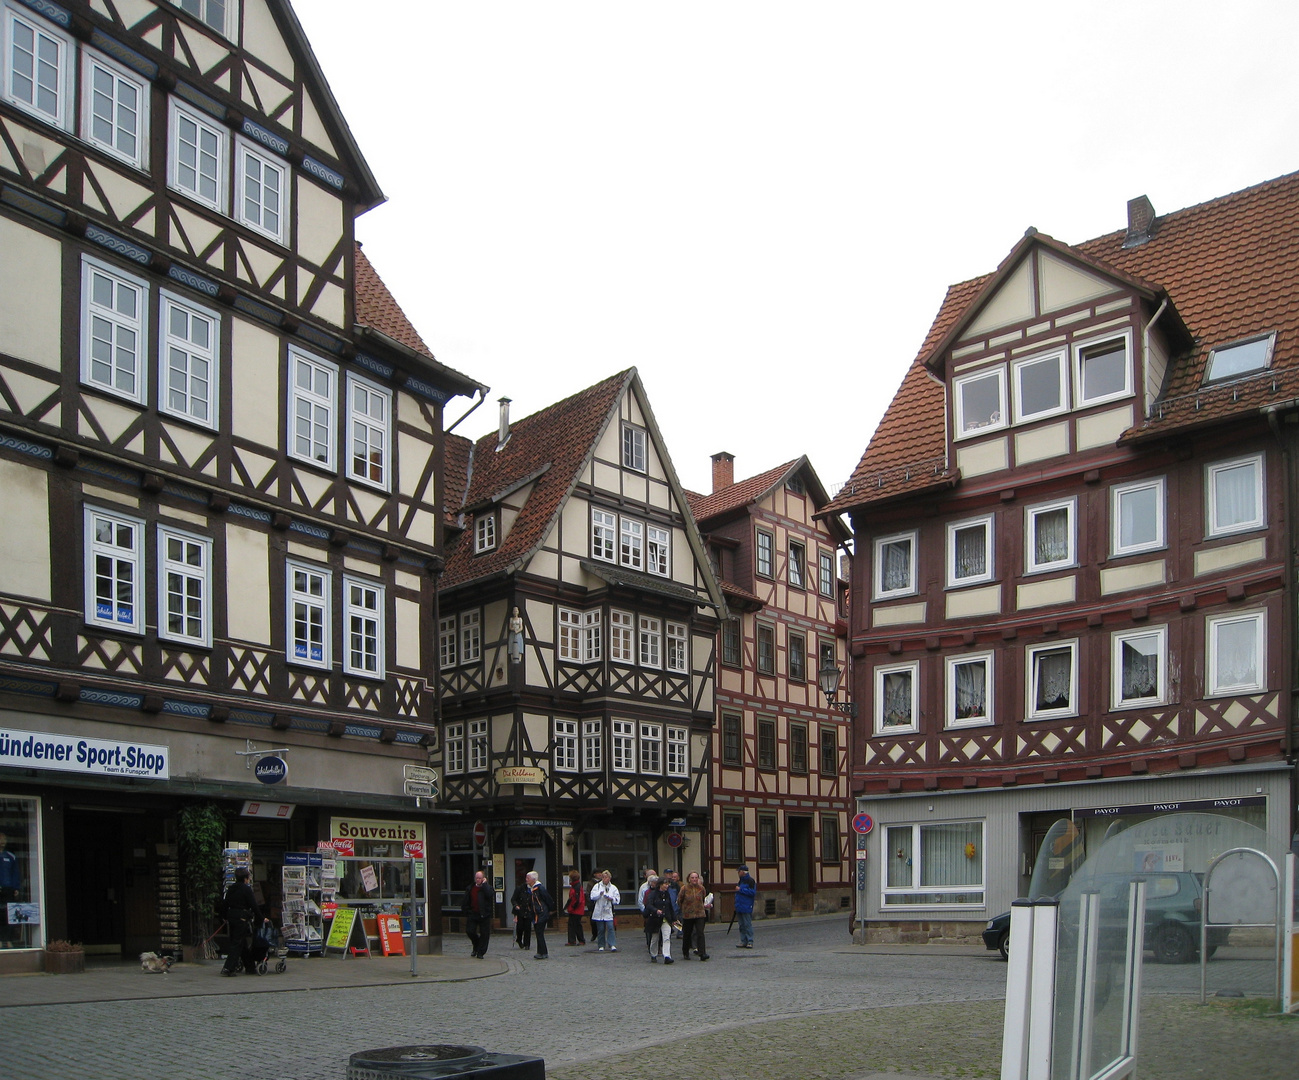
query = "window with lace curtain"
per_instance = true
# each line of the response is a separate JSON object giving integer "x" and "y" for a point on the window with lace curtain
{"x": 1052, "y": 680}
{"x": 895, "y": 698}
{"x": 1235, "y": 495}
{"x": 1140, "y": 667}
{"x": 1236, "y": 653}
{"x": 1049, "y": 544}
{"x": 969, "y": 552}
{"x": 1137, "y": 517}
{"x": 895, "y": 565}
{"x": 940, "y": 863}
{"x": 969, "y": 690}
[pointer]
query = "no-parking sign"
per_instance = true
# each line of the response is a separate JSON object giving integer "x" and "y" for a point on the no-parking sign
{"x": 863, "y": 823}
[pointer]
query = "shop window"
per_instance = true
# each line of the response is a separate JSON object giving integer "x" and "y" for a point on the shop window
{"x": 20, "y": 879}
{"x": 933, "y": 864}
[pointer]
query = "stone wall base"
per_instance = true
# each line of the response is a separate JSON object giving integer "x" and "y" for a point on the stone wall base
{"x": 923, "y": 933}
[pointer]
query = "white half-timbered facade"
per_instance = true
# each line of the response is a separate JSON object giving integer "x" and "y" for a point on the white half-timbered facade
{"x": 220, "y": 458}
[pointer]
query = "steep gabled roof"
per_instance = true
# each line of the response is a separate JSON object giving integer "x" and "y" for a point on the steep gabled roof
{"x": 557, "y": 441}
{"x": 710, "y": 509}
{"x": 1229, "y": 267}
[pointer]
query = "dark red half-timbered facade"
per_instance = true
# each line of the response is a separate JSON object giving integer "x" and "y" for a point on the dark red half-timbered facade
{"x": 220, "y": 458}
{"x": 1073, "y": 575}
{"x": 781, "y": 799}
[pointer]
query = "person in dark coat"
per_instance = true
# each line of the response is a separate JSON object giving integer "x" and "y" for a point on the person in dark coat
{"x": 478, "y": 906}
{"x": 243, "y": 916}
{"x": 521, "y": 908}
{"x": 541, "y": 907}
{"x": 575, "y": 908}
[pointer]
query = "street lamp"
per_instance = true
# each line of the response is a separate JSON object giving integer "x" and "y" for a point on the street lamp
{"x": 829, "y": 677}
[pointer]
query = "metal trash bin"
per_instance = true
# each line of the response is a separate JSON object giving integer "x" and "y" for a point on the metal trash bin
{"x": 440, "y": 1060}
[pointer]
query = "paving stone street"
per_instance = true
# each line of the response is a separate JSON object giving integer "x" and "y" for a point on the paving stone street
{"x": 805, "y": 1002}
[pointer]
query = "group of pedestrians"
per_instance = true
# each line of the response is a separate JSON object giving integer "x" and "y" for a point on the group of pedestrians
{"x": 669, "y": 907}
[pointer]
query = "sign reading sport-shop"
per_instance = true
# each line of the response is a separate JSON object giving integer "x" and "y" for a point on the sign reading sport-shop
{"x": 97, "y": 757}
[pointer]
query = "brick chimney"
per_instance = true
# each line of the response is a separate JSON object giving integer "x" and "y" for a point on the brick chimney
{"x": 723, "y": 470}
{"x": 1141, "y": 222}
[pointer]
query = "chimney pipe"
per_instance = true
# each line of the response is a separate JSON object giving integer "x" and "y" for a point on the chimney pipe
{"x": 503, "y": 433}
{"x": 723, "y": 470}
{"x": 1141, "y": 222}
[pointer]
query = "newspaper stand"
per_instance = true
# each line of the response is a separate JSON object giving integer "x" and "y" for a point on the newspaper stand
{"x": 308, "y": 882}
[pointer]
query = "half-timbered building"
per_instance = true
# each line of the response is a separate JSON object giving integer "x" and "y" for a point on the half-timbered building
{"x": 577, "y": 619}
{"x": 780, "y": 754}
{"x": 220, "y": 458}
{"x": 1073, "y": 582}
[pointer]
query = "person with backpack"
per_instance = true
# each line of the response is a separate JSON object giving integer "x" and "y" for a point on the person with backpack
{"x": 604, "y": 898}
{"x": 661, "y": 918}
{"x": 575, "y": 908}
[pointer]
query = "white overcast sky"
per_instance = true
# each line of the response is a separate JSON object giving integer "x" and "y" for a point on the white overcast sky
{"x": 760, "y": 205}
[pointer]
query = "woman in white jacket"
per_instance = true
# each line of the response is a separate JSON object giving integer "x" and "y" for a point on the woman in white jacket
{"x": 604, "y": 898}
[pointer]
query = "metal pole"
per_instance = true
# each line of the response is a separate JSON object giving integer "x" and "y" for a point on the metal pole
{"x": 414, "y": 914}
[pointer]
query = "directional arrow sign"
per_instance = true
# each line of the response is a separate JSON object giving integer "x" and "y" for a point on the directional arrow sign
{"x": 420, "y": 772}
{"x": 421, "y": 788}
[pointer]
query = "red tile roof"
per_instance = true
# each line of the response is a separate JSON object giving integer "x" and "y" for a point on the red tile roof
{"x": 1229, "y": 267}
{"x": 741, "y": 493}
{"x": 376, "y": 308}
{"x": 552, "y": 445}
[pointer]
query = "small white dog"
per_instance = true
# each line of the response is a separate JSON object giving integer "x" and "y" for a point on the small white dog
{"x": 155, "y": 964}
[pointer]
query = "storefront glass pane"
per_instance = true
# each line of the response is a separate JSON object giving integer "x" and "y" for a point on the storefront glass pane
{"x": 623, "y": 853}
{"x": 21, "y": 914}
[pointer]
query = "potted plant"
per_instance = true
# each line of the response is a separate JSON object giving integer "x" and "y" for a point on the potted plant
{"x": 63, "y": 957}
{"x": 201, "y": 835}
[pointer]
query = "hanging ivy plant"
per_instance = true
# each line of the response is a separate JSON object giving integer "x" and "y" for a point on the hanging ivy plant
{"x": 202, "y": 830}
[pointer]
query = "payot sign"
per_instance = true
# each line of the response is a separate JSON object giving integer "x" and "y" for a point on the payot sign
{"x": 97, "y": 757}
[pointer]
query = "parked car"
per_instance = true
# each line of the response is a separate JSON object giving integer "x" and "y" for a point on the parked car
{"x": 1173, "y": 904}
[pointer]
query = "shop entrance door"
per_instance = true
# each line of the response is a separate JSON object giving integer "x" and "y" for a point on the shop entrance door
{"x": 800, "y": 863}
{"x": 519, "y": 861}
{"x": 94, "y": 854}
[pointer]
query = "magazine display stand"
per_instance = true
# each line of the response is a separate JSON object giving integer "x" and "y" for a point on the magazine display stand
{"x": 308, "y": 883}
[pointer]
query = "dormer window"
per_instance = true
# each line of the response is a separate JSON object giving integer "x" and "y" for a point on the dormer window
{"x": 485, "y": 532}
{"x": 980, "y": 402}
{"x": 1240, "y": 358}
{"x": 1102, "y": 371}
{"x": 1040, "y": 387}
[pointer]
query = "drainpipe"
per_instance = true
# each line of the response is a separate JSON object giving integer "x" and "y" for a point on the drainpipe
{"x": 1273, "y": 414}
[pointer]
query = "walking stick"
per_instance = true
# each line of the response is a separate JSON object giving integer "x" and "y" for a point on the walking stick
{"x": 731, "y": 923}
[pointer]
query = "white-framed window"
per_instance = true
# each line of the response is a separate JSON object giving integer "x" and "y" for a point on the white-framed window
{"x": 980, "y": 402}
{"x": 113, "y": 329}
{"x": 198, "y": 151}
{"x": 447, "y": 642}
{"x": 592, "y": 636}
{"x": 1040, "y": 387}
{"x": 651, "y": 642}
{"x": 308, "y": 615}
{"x": 678, "y": 752}
{"x": 114, "y": 552}
{"x": 471, "y": 636}
{"x": 1237, "y": 647}
{"x": 969, "y": 552}
{"x": 1235, "y": 495}
{"x": 632, "y": 548}
{"x": 825, "y": 563}
{"x": 115, "y": 109}
{"x": 622, "y": 637}
{"x": 1240, "y": 358}
{"x": 766, "y": 554}
{"x": 896, "y": 705}
{"x": 592, "y": 746}
{"x": 37, "y": 67}
{"x": 1050, "y": 536}
{"x": 1137, "y": 517}
{"x": 369, "y": 424}
{"x": 934, "y": 863}
{"x": 1102, "y": 370}
{"x": 485, "y": 532}
{"x": 478, "y": 754}
{"x": 678, "y": 642}
{"x": 189, "y": 345}
{"x": 184, "y": 587}
{"x": 261, "y": 191}
{"x": 570, "y": 635}
{"x": 363, "y": 627}
{"x": 312, "y": 389}
{"x": 1052, "y": 680}
{"x": 565, "y": 753}
{"x": 895, "y": 565}
{"x": 624, "y": 746}
{"x": 1140, "y": 667}
{"x": 969, "y": 690}
{"x": 797, "y": 566}
{"x": 658, "y": 542}
{"x": 604, "y": 535}
{"x": 453, "y": 757}
{"x": 651, "y": 748}
{"x": 213, "y": 13}
{"x": 633, "y": 448}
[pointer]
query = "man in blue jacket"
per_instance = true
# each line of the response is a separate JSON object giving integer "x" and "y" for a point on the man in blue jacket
{"x": 745, "y": 893}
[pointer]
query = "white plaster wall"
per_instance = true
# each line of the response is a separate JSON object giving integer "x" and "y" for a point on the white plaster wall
{"x": 248, "y": 585}
{"x": 25, "y": 531}
{"x": 31, "y": 294}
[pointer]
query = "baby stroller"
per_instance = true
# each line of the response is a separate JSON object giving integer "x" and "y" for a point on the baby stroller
{"x": 267, "y": 944}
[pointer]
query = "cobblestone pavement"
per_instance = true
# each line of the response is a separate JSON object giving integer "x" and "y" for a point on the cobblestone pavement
{"x": 803, "y": 1003}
